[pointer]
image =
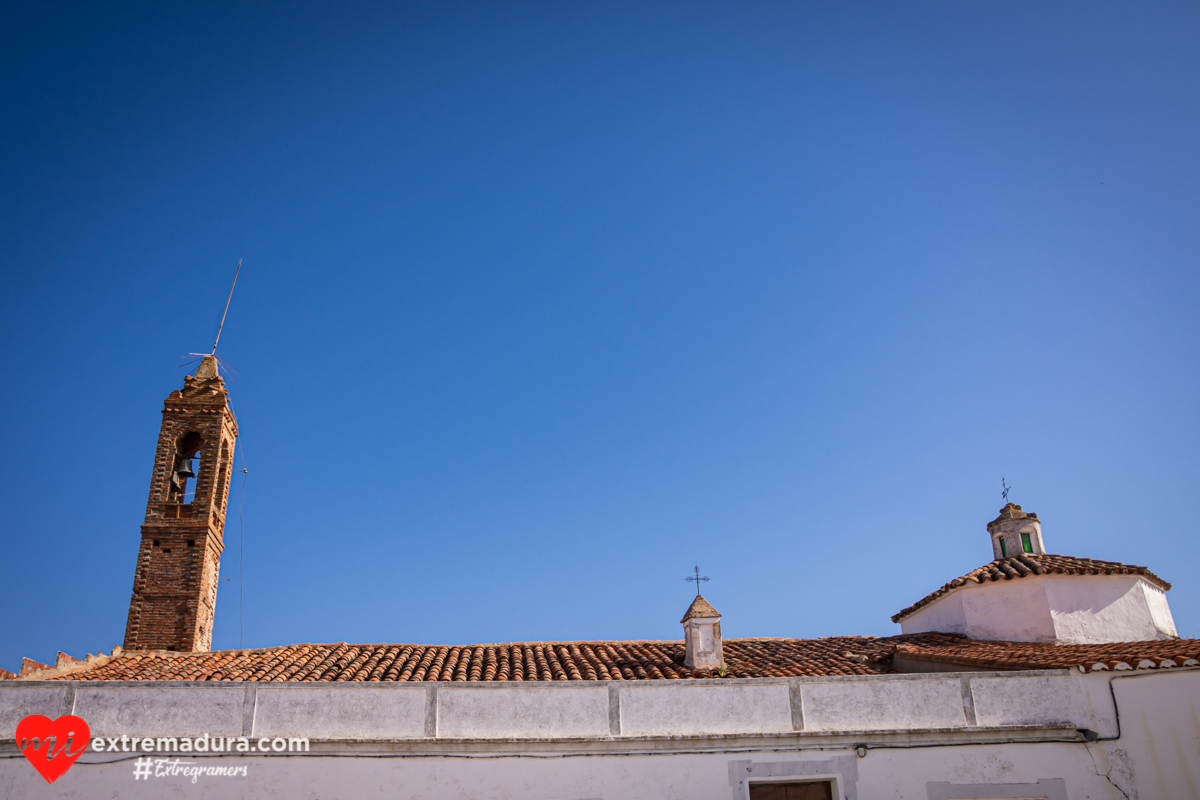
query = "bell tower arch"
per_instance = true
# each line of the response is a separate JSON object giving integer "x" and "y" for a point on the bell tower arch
{"x": 178, "y": 564}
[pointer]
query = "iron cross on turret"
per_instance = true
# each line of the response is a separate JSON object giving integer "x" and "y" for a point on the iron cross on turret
{"x": 697, "y": 579}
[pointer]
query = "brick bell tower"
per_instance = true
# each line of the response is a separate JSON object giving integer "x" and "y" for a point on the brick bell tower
{"x": 178, "y": 564}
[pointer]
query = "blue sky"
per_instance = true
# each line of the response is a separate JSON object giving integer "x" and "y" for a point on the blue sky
{"x": 543, "y": 304}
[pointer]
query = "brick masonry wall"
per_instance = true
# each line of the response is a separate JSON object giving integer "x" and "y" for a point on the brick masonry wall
{"x": 178, "y": 564}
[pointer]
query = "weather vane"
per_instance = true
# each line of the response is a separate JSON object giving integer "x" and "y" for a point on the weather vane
{"x": 1006, "y": 489}
{"x": 698, "y": 577}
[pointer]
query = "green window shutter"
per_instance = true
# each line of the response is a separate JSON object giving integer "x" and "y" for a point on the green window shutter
{"x": 1003, "y": 549}
{"x": 1026, "y": 545}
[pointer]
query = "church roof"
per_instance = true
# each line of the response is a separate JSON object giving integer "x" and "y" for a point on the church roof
{"x": 964, "y": 652}
{"x": 530, "y": 661}
{"x": 630, "y": 661}
{"x": 1026, "y": 564}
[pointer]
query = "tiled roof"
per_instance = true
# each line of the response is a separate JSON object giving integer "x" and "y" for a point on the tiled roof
{"x": 1028, "y": 564}
{"x": 631, "y": 661}
{"x": 540, "y": 661}
{"x": 957, "y": 650}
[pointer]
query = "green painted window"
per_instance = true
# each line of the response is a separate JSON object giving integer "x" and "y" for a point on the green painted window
{"x": 1003, "y": 549}
{"x": 1026, "y": 545}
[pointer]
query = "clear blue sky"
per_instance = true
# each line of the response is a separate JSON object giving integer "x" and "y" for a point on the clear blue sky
{"x": 544, "y": 304}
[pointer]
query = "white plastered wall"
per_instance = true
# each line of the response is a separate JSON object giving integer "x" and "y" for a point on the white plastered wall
{"x": 1012, "y": 611}
{"x": 1091, "y": 609}
{"x": 901, "y": 774}
{"x": 1157, "y": 756}
{"x": 702, "y": 639}
{"x": 1160, "y": 611}
{"x": 1070, "y": 609}
{"x": 386, "y": 743}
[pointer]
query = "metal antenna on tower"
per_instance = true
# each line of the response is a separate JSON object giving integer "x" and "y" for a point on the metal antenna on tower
{"x": 226, "y": 312}
{"x": 193, "y": 358}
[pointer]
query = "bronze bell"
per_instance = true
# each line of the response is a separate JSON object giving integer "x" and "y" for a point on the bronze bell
{"x": 184, "y": 470}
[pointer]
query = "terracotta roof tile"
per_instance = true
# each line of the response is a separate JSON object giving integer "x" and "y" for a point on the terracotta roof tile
{"x": 1026, "y": 564}
{"x": 532, "y": 661}
{"x": 957, "y": 650}
{"x": 632, "y": 661}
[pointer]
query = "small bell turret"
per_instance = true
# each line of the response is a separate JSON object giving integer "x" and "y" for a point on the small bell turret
{"x": 1015, "y": 532}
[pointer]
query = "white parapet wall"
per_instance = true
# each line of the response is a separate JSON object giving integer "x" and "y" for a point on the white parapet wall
{"x": 652, "y": 710}
{"x": 964, "y": 734}
{"x": 549, "y": 711}
{"x": 373, "y": 711}
{"x": 907, "y": 705}
{"x": 562, "y": 711}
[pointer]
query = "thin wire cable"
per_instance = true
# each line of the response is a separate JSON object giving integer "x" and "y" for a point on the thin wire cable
{"x": 242, "y": 547}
